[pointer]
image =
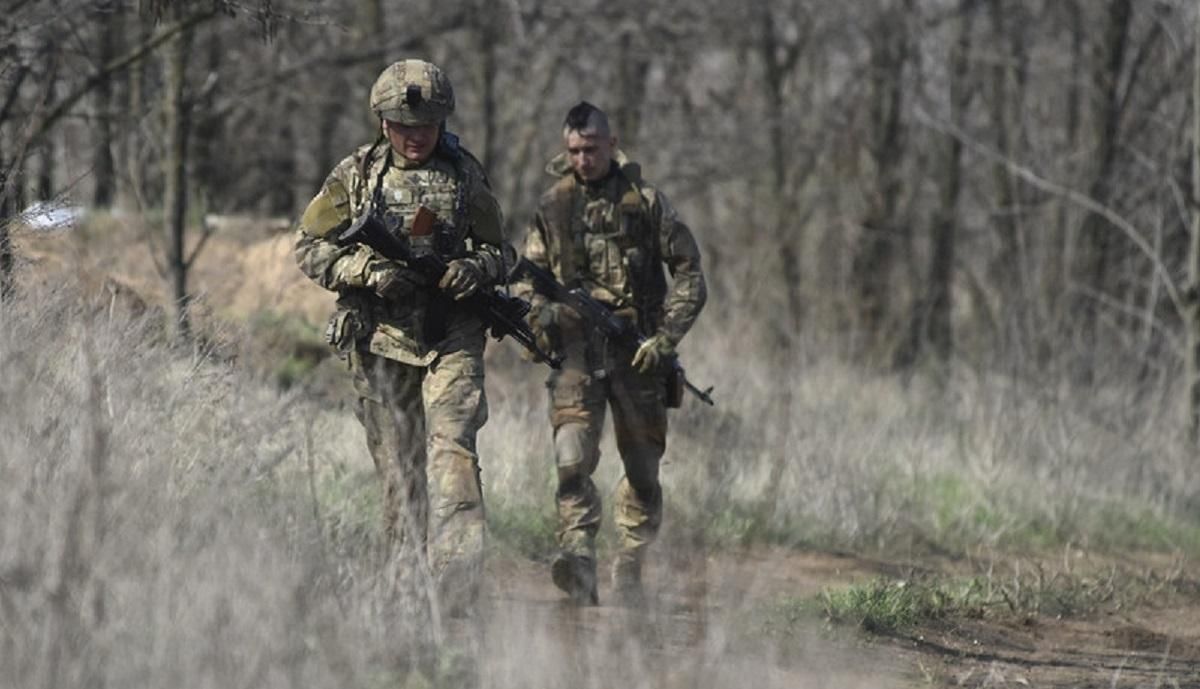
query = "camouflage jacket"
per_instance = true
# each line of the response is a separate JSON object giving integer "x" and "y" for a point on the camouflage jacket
{"x": 453, "y": 185}
{"x": 613, "y": 238}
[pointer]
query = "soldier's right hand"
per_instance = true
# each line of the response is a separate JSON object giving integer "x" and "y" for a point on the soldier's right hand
{"x": 461, "y": 279}
{"x": 392, "y": 281}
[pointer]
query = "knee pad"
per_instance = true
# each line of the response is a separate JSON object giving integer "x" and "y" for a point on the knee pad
{"x": 572, "y": 479}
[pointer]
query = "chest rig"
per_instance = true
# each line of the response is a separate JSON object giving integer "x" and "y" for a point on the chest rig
{"x": 395, "y": 193}
{"x": 603, "y": 238}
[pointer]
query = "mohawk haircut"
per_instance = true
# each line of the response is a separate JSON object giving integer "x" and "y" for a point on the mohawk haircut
{"x": 587, "y": 120}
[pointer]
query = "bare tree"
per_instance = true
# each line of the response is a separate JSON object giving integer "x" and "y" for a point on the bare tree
{"x": 1193, "y": 264}
{"x": 1005, "y": 88}
{"x": 108, "y": 38}
{"x": 930, "y": 324}
{"x": 177, "y": 122}
{"x": 1097, "y": 241}
{"x": 779, "y": 57}
{"x": 882, "y": 226}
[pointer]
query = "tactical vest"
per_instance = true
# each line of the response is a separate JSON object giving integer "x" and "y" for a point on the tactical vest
{"x": 607, "y": 241}
{"x": 438, "y": 185}
{"x": 397, "y": 192}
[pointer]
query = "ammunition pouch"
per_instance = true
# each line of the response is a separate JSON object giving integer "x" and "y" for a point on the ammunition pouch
{"x": 674, "y": 380}
{"x": 348, "y": 326}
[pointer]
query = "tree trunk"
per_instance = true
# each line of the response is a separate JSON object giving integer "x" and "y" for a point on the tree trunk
{"x": 283, "y": 192}
{"x": 103, "y": 168}
{"x": 875, "y": 256}
{"x": 1193, "y": 306}
{"x": 930, "y": 325}
{"x": 1006, "y": 266}
{"x": 6, "y": 259}
{"x": 18, "y": 192}
{"x": 328, "y": 125}
{"x": 44, "y": 189}
{"x": 46, "y": 148}
{"x": 7, "y": 213}
{"x": 211, "y": 182}
{"x": 632, "y": 65}
{"x": 785, "y": 236}
{"x": 788, "y": 236}
{"x": 1097, "y": 238}
{"x": 941, "y": 271}
{"x": 370, "y": 19}
{"x": 176, "y": 120}
{"x": 1051, "y": 294}
{"x": 132, "y": 192}
{"x": 489, "y": 36}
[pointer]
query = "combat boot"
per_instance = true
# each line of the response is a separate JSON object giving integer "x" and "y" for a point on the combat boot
{"x": 627, "y": 579}
{"x": 576, "y": 575}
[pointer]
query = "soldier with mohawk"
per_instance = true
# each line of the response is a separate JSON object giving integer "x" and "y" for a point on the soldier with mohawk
{"x": 603, "y": 228}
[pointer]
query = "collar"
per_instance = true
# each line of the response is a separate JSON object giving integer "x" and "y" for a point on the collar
{"x": 559, "y": 166}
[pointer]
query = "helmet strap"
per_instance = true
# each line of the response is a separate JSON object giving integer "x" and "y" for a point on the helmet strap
{"x": 377, "y": 192}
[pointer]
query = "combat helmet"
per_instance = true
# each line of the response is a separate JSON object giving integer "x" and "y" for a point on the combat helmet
{"x": 413, "y": 93}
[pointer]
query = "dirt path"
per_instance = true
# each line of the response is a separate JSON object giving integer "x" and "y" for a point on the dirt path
{"x": 1143, "y": 648}
{"x": 709, "y": 619}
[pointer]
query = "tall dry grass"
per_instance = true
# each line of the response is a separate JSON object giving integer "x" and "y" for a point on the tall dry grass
{"x": 818, "y": 451}
{"x": 150, "y": 535}
{"x": 169, "y": 519}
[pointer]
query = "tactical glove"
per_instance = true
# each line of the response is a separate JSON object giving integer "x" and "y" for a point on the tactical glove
{"x": 461, "y": 279}
{"x": 546, "y": 319}
{"x": 541, "y": 319}
{"x": 652, "y": 353}
{"x": 391, "y": 280}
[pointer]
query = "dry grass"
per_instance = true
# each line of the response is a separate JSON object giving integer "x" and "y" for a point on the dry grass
{"x": 169, "y": 518}
{"x": 167, "y": 521}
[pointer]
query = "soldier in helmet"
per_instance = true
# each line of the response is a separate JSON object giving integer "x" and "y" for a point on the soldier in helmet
{"x": 416, "y": 358}
{"x": 605, "y": 229}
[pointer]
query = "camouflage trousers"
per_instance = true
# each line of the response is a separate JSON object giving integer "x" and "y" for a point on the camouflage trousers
{"x": 421, "y": 424}
{"x": 580, "y": 393}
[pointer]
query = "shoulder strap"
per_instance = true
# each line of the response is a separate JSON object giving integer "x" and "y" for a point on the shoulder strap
{"x": 450, "y": 146}
{"x": 364, "y": 172}
{"x": 560, "y": 216}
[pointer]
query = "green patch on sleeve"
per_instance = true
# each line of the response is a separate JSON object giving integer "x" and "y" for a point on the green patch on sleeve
{"x": 329, "y": 210}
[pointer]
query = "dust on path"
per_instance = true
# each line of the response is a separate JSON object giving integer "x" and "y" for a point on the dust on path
{"x": 703, "y": 627}
{"x": 698, "y": 629}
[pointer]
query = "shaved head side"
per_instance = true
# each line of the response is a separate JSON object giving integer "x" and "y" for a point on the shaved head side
{"x": 587, "y": 120}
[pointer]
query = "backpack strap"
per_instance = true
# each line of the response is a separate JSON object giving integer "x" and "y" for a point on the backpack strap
{"x": 561, "y": 213}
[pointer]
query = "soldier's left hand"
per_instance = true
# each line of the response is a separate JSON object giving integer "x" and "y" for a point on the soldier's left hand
{"x": 652, "y": 353}
{"x": 461, "y": 279}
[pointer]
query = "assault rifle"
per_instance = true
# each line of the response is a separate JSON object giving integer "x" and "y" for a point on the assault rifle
{"x": 599, "y": 316}
{"x": 502, "y": 314}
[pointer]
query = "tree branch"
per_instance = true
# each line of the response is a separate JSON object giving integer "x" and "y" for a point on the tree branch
{"x": 1080, "y": 199}
{"x": 191, "y": 258}
{"x": 167, "y": 33}
{"x": 13, "y": 91}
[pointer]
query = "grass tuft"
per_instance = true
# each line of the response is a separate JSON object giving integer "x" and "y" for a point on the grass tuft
{"x": 882, "y": 606}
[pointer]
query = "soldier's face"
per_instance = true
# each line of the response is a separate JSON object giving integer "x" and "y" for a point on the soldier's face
{"x": 414, "y": 143}
{"x": 590, "y": 156}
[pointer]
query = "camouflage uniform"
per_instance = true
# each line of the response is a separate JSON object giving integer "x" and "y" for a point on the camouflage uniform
{"x": 612, "y": 237}
{"x": 416, "y": 359}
